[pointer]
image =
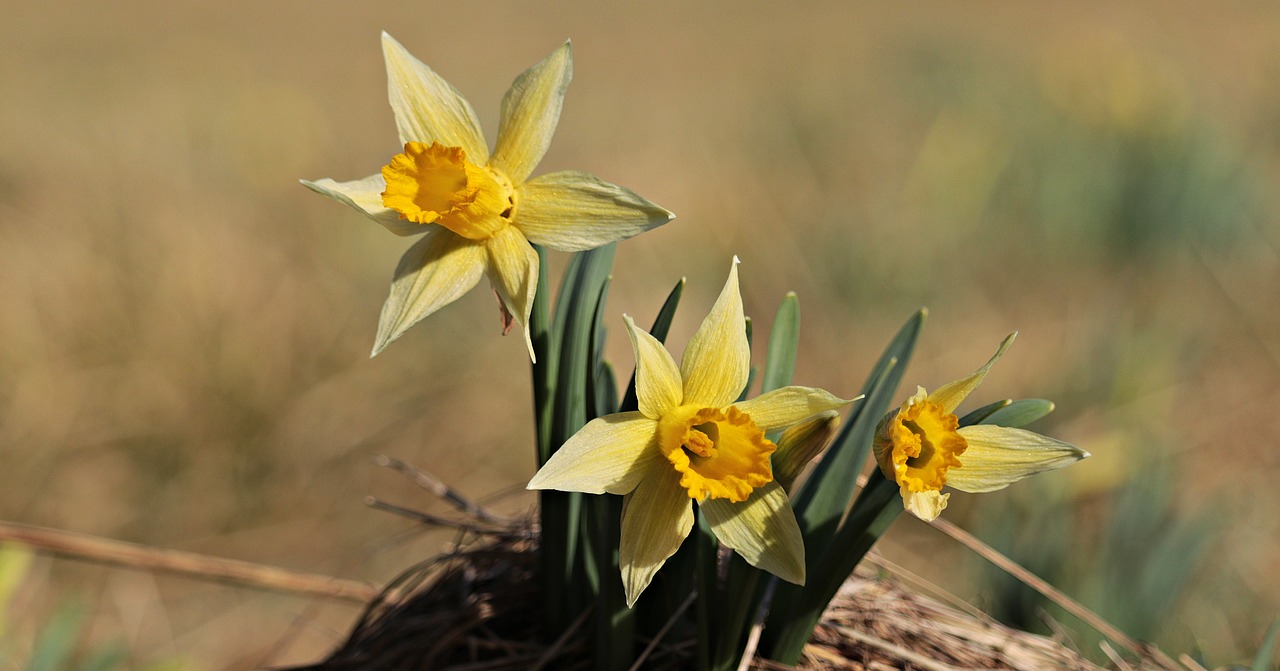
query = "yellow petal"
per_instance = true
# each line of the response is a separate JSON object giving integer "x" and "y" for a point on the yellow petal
{"x": 762, "y": 529}
{"x": 951, "y": 395}
{"x": 433, "y": 273}
{"x": 658, "y": 387}
{"x": 365, "y": 195}
{"x": 427, "y": 108}
{"x": 717, "y": 359}
{"x": 513, "y": 271}
{"x": 573, "y": 211}
{"x": 656, "y": 518}
{"x": 610, "y": 454}
{"x": 926, "y": 505}
{"x": 998, "y": 456}
{"x": 530, "y": 112}
{"x": 783, "y": 407}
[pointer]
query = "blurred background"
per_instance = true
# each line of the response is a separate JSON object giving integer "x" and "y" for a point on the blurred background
{"x": 184, "y": 329}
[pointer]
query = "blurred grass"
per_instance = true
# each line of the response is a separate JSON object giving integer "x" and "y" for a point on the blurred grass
{"x": 183, "y": 328}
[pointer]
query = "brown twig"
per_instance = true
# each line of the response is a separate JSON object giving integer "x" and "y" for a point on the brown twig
{"x": 433, "y": 520}
{"x": 666, "y": 627}
{"x": 131, "y": 555}
{"x": 438, "y": 487}
{"x": 561, "y": 641}
{"x": 1052, "y": 593}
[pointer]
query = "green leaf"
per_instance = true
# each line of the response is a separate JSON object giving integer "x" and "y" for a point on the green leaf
{"x": 572, "y": 327}
{"x": 784, "y": 340}
{"x": 57, "y": 639}
{"x": 984, "y": 412}
{"x": 824, "y": 498}
{"x": 1266, "y": 652}
{"x": 547, "y": 352}
{"x": 1020, "y": 413}
{"x": 799, "y": 609}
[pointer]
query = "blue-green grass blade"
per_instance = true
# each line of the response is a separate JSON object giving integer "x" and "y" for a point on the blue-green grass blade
{"x": 57, "y": 640}
{"x": 606, "y": 398}
{"x": 796, "y": 610}
{"x": 566, "y": 591}
{"x": 661, "y": 326}
{"x": 1020, "y": 413}
{"x": 977, "y": 416}
{"x": 824, "y": 498}
{"x": 707, "y": 554}
{"x": 784, "y": 341}
{"x": 578, "y": 309}
{"x": 1267, "y": 651}
{"x": 546, "y": 349}
{"x": 613, "y": 646}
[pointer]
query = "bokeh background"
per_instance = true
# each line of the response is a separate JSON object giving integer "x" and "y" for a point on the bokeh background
{"x": 184, "y": 330}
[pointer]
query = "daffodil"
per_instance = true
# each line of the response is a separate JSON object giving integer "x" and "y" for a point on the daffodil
{"x": 922, "y": 447}
{"x": 477, "y": 212}
{"x": 690, "y": 442}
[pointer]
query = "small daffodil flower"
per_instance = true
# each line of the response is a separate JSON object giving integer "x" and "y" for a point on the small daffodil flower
{"x": 922, "y": 447}
{"x": 690, "y": 442}
{"x": 477, "y": 212}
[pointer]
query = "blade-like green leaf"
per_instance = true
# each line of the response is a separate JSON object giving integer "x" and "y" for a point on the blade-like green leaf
{"x": 57, "y": 640}
{"x": 824, "y": 498}
{"x": 573, "y": 326}
{"x": 795, "y": 611}
{"x": 595, "y": 359}
{"x": 1266, "y": 652}
{"x": 784, "y": 340}
{"x": 984, "y": 412}
{"x": 1020, "y": 413}
{"x": 547, "y": 351}
{"x": 578, "y": 310}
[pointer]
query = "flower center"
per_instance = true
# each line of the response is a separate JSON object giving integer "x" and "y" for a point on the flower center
{"x": 916, "y": 445}
{"x": 437, "y": 185}
{"x": 718, "y": 453}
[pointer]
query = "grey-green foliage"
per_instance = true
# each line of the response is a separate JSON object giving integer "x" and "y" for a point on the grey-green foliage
{"x": 1134, "y": 570}
{"x": 1134, "y": 182}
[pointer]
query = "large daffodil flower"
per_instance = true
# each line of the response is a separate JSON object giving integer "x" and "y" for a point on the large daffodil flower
{"x": 922, "y": 447}
{"x": 690, "y": 442}
{"x": 477, "y": 212}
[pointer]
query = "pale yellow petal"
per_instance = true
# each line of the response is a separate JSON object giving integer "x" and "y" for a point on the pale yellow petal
{"x": 950, "y": 395}
{"x": 658, "y": 387}
{"x": 762, "y": 529}
{"x": 717, "y": 359}
{"x": 998, "y": 456}
{"x": 365, "y": 195}
{"x": 784, "y": 407}
{"x": 427, "y": 108}
{"x": 530, "y": 112}
{"x": 513, "y": 271}
{"x": 573, "y": 211}
{"x": 656, "y": 518}
{"x": 434, "y": 272}
{"x": 925, "y": 505}
{"x": 611, "y": 454}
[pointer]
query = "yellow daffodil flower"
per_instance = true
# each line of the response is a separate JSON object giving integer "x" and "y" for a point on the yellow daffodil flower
{"x": 477, "y": 212}
{"x": 922, "y": 447}
{"x": 690, "y": 442}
